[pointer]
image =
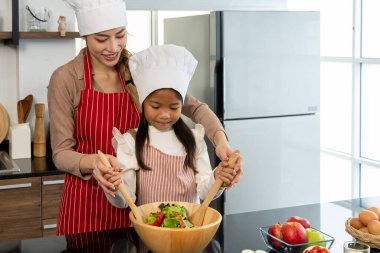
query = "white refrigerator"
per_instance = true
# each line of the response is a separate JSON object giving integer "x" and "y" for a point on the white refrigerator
{"x": 259, "y": 71}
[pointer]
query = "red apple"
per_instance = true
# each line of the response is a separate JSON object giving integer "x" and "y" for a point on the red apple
{"x": 275, "y": 230}
{"x": 293, "y": 233}
{"x": 303, "y": 221}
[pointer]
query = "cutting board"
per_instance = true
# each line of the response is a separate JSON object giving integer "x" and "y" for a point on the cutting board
{"x": 4, "y": 123}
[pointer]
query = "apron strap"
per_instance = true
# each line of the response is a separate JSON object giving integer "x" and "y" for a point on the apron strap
{"x": 122, "y": 82}
{"x": 87, "y": 71}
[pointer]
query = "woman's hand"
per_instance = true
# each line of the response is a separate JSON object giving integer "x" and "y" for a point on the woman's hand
{"x": 108, "y": 178}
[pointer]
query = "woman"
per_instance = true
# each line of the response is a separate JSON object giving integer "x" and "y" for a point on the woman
{"x": 87, "y": 97}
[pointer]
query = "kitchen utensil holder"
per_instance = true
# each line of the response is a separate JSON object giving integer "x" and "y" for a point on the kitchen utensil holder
{"x": 19, "y": 141}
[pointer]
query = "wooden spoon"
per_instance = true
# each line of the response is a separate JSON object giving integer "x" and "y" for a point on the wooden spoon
{"x": 121, "y": 188}
{"x": 23, "y": 108}
{"x": 20, "y": 112}
{"x": 198, "y": 216}
{"x": 27, "y": 106}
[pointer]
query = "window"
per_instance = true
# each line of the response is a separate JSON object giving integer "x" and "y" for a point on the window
{"x": 370, "y": 112}
{"x": 139, "y": 30}
{"x": 350, "y": 95}
{"x": 336, "y": 103}
{"x": 335, "y": 171}
{"x": 370, "y": 29}
{"x": 369, "y": 180}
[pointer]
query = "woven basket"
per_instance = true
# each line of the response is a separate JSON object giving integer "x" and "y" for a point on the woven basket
{"x": 372, "y": 240}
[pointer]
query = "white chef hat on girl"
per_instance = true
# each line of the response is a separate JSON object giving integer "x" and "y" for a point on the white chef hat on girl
{"x": 164, "y": 66}
{"x": 95, "y": 16}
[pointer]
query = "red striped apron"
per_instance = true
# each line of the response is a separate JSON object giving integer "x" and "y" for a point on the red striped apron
{"x": 84, "y": 207}
{"x": 106, "y": 241}
{"x": 168, "y": 179}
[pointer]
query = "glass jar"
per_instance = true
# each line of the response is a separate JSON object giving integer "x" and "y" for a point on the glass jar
{"x": 37, "y": 19}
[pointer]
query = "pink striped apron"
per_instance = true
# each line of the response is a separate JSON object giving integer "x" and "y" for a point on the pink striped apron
{"x": 169, "y": 179}
{"x": 84, "y": 207}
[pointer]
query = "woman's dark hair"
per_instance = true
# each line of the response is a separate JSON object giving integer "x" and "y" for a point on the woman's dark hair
{"x": 181, "y": 130}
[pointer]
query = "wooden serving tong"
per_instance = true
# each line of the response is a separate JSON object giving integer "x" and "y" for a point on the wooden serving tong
{"x": 198, "y": 216}
{"x": 122, "y": 190}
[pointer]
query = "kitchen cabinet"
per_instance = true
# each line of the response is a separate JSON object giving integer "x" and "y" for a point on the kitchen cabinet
{"x": 29, "y": 206}
{"x": 52, "y": 187}
{"x": 20, "y": 208}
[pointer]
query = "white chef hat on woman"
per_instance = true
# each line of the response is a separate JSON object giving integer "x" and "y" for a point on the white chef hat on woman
{"x": 95, "y": 16}
{"x": 164, "y": 66}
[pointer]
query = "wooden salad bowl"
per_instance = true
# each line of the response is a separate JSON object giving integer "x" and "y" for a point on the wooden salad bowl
{"x": 170, "y": 240}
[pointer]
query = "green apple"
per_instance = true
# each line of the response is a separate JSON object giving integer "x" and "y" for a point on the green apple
{"x": 315, "y": 236}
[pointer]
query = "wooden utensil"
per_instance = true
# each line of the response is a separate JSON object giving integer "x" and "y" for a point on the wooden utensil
{"x": 121, "y": 188}
{"x": 20, "y": 112}
{"x": 23, "y": 108}
{"x": 27, "y": 106}
{"x": 198, "y": 216}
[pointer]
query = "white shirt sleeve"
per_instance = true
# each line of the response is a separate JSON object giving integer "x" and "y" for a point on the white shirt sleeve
{"x": 205, "y": 176}
{"x": 124, "y": 146}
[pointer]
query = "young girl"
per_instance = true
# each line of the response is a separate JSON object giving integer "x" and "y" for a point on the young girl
{"x": 170, "y": 159}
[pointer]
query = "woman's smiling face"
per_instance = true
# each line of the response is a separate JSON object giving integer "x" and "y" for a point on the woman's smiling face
{"x": 105, "y": 47}
{"x": 162, "y": 108}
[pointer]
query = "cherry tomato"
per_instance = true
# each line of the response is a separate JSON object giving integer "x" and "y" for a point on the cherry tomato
{"x": 324, "y": 250}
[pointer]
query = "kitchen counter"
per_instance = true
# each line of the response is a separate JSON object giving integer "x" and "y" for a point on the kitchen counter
{"x": 239, "y": 231}
{"x": 31, "y": 167}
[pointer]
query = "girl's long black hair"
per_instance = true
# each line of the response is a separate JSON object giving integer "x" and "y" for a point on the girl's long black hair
{"x": 181, "y": 130}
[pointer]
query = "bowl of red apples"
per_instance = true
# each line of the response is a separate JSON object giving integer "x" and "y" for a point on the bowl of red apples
{"x": 296, "y": 235}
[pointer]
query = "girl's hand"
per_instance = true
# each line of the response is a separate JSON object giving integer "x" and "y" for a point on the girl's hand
{"x": 223, "y": 151}
{"x": 103, "y": 173}
{"x": 225, "y": 173}
{"x": 115, "y": 180}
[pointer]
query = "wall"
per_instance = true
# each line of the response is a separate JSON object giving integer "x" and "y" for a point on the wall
{"x": 26, "y": 69}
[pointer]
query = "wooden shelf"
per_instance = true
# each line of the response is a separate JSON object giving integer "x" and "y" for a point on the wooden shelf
{"x": 48, "y": 35}
{"x": 5, "y": 35}
{"x": 40, "y": 35}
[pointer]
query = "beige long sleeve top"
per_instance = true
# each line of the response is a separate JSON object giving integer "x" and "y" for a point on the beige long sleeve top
{"x": 66, "y": 84}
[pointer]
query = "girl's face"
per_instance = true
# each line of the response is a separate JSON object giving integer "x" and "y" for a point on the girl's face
{"x": 162, "y": 108}
{"x": 105, "y": 47}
